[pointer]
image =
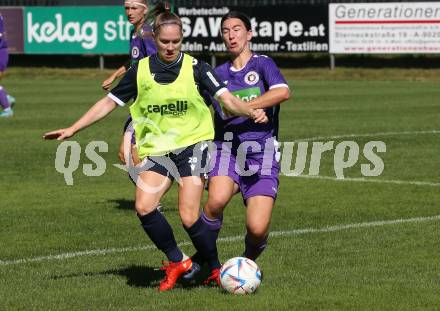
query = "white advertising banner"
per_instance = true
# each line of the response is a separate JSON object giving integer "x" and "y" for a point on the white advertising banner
{"x": 394, "y": 27}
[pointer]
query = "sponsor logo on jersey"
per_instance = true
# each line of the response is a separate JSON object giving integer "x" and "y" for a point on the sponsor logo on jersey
{"x": 179, "y": 108}
{"x": 135, "y": 52}
{"x": 247, "y": 94}
{"x": 251, "y": 78}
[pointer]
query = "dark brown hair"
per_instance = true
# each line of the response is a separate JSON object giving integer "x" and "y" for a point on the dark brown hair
{"x": 162, "y": 16}
{"x": 241, "y": 16}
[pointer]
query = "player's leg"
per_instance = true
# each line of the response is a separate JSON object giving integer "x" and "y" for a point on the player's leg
{"x": 11, "y": 99}
{"x": 128, "y": 154}
{"x": 258, "y": 215}
{"x": 191, "y": 164}
{"x": 190, "y": 194}
{"x": 221, "y": 190}
{"x": 4, "y": 102}
{"x": 4, "y": 99}
{"x": 202, "y": 231}
{"x": 259, "y": 193}
{"x": 151, "y": 186}
{"x": 222, "y": 186}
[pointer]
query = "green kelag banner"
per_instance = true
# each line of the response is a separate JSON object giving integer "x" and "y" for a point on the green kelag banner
{"x": 76, "y": 30}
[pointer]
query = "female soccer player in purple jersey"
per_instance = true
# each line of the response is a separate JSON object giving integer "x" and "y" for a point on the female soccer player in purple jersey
{"x": 256, "y": 79}
{"x": 6, "y": 101}
{"x": 141, "y": 40}
{"x": 171, "y": 112}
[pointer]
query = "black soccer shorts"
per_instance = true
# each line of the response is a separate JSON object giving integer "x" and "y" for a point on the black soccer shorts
{"x": 188, "y": 161}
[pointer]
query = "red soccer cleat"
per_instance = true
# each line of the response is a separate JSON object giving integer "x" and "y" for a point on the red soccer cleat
{"x": 214, "y": 277}
{"x": 173, "y": 271}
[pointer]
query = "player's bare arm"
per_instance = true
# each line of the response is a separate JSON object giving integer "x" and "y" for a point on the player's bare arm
{"x": 271, "y": 98}
{"x": 98, "y": 111}
{"x": 240, "y": 108}
{"x": 118, "y": 73}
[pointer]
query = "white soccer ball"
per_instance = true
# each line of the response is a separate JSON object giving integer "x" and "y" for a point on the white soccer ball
{"x": 240, "y": 275}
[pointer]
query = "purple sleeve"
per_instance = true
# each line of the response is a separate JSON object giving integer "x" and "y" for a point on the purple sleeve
{"x": 150, "y": 46}
{"x": 2, "y": 28}
{"x": 271, "y": 72}
{"x": 3, "y": 44}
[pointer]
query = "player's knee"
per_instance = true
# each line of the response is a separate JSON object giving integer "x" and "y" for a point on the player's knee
{"x": 189, "y": 217}
{"x": 258, "y": 233}
{"x": 215, "y": 206}
{"x": 143, "y": 208}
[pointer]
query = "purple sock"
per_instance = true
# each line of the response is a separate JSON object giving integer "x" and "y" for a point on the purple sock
{"x": 4, "y": 99}
{"x": 214, "y": 224}
{"x": 252, "y": 249}
{"x": 203, "y": 234}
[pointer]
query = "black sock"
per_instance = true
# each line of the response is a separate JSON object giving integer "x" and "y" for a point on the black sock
{"x": 197, "y": 258}
{"x": 203, "y": 234}
{"x": 160, "y": 232}
{"x": 253, "y": 249}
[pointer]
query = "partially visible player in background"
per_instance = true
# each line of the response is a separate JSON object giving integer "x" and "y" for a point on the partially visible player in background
{"x": 254, "y": 78}
{"x": 6, "y": 101}
{"x": 141, "y": 39}
{"x": 141, "y": 46}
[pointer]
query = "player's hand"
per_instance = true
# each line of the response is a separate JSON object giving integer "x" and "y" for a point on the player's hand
{"x": 259, "y": 116}
{"x": 60, "y": 134}
{"x": 107, "y": 83}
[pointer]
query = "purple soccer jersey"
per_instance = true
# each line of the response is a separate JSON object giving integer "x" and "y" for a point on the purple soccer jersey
{"x": 3, "y": 44}
{"x": 4, "y": 56}
{"x": 258, "y": 76}
{"x": 257, "y": 174}
{"x": 142, "y": 44}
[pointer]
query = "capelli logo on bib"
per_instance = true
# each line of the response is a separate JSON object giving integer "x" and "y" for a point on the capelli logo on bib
{"x": 251, "y": 78}
{"x": 179, "y": 108}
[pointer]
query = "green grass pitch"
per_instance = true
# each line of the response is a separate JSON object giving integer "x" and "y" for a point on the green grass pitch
{"x": 81, "y": 247}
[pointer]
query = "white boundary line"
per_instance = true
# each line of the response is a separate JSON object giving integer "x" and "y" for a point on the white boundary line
{"x": 274, "y": 234}
{"x": 379, "y": 181}
{"x": 97, "y": 252}
{"x": 368, "y": 135}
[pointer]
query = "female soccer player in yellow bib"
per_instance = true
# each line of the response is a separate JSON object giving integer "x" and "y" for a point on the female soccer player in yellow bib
{"x": 172, "y": 124}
